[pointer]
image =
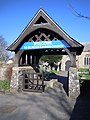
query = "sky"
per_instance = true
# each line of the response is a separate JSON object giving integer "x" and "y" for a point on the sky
{"x": 16, "y": 14}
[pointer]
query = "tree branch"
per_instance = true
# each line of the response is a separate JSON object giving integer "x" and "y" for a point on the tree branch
{"x": 76, "y": 13}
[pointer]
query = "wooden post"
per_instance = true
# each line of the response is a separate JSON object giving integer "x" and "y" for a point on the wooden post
{"x": 17, "y": 57}
{"x": 23, "y": 59}
{"x": 28, "y": 59}
{"x": 32, "y": 59}
{"x": 37, "y": 59}
{"x": 73, "y": 59}
{"x": 72, "y": 56}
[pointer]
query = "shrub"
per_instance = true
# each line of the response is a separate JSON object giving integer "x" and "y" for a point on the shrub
{"x": 4, "y": 85}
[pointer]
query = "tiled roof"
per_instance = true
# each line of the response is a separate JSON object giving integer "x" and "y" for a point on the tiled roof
{"x": 86, "y": 46}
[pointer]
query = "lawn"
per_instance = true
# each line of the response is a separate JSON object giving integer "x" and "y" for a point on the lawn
{"x": 84, "y": 75}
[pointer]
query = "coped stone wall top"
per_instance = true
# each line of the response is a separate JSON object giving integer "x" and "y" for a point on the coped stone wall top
{"x": 23, "y": 68}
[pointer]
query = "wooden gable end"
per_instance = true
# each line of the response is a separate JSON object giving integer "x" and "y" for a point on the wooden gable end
{"x": 43, "y": 21}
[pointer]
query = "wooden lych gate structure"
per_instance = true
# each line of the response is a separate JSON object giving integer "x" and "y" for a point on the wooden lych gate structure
{"x": 43, "y": 36}
{"x": 33, "y": 81}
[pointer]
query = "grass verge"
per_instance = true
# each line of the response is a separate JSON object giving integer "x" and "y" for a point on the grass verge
{"x": 4, "y": 85}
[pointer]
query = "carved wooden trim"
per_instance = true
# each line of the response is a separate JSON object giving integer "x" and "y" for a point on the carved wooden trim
{"x": 42, "y": 35}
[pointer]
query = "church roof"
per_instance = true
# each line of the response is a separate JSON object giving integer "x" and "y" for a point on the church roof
{"x": 48, "y": 23}
{"x": 86, "y": 46}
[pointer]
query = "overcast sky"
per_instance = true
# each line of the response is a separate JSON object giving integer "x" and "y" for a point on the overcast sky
{"x": 15, "y": 15}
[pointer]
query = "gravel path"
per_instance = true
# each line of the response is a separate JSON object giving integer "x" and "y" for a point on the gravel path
{"x": 53, "y": 105}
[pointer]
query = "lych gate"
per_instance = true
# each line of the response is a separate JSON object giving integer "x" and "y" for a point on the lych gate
{"x": 43, "y": 36}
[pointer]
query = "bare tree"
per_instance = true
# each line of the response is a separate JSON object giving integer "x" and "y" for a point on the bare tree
{"x": 3, "y": 53}
{"x": 77, "y": 14}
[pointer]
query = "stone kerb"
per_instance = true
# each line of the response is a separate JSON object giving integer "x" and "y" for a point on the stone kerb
{"x": 17, "y": 78}
{"x": 74, "y": 86}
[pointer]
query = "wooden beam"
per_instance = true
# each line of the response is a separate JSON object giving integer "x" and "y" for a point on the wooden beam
{"x": 72, "y": 56}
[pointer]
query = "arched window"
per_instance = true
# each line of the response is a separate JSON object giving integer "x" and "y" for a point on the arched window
{"x": 87, "y": 60}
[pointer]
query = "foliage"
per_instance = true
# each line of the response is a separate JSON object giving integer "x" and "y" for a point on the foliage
{"x": 3, "y": 53}
{"x": 4, "y": 85}
{"x": 83, "y": 70}
{"x": 55, "y": 71}
{"x": 51, "y": 58}
{"x": 77, "y": 14}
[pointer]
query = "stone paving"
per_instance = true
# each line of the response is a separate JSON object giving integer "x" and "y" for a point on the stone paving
{"x": 52, "y": 105}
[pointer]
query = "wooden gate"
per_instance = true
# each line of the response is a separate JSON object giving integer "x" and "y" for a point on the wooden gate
{"x": 33, "y": 81}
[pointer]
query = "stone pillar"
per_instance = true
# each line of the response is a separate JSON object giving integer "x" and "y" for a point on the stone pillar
{"x": 17, "y": 78}
{"x": 74, "y": 86}
{"x": 14, "y": 79}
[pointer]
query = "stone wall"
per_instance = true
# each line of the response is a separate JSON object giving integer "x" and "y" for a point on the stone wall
{"x": 17, "y": 78}
{"x": 2, "y": 73}
{"x": 74, "y": 85}
{"x": 79, "y": 60}
{"x": 54, "y": 85}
